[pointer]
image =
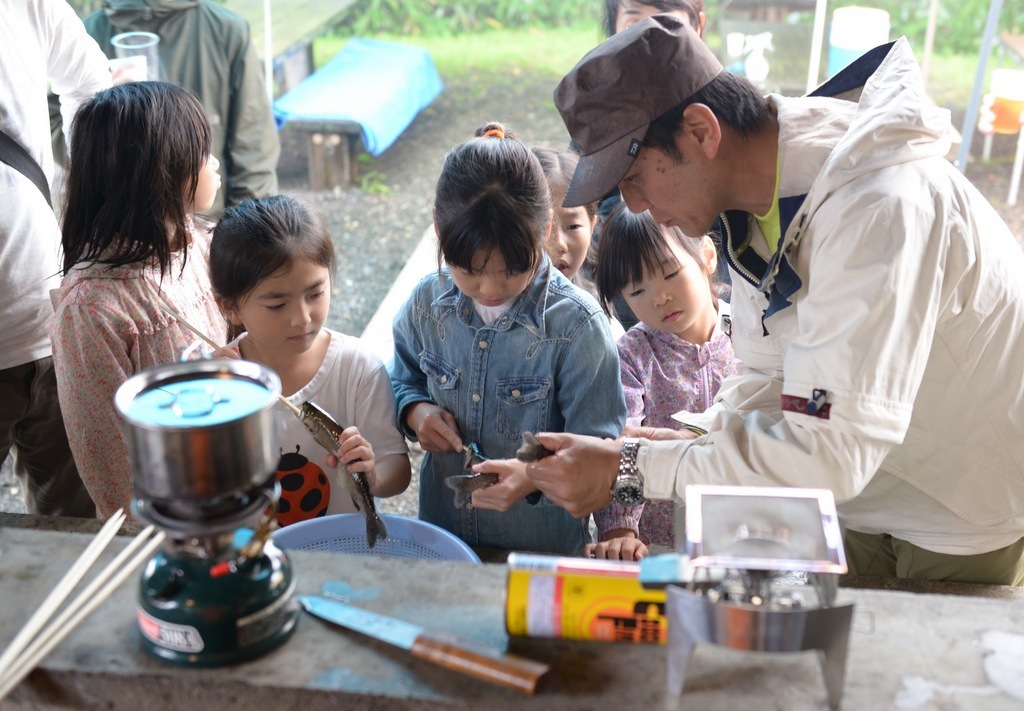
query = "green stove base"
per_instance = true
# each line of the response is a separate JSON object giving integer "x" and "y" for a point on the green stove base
{"x": 192, "y": 613}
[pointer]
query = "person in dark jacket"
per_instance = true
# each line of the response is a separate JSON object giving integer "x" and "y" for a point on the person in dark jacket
{"x": 207, "y": 48}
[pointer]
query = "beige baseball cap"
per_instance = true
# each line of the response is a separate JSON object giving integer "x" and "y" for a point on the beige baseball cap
{"x": 613, "y": 94}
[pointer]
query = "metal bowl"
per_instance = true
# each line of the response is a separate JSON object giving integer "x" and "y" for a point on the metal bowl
{"x": 200, "y": 430}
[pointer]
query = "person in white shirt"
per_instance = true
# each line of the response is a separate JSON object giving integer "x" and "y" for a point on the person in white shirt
{"x": 878, "y": 304}
{"x": 40, "y": 40}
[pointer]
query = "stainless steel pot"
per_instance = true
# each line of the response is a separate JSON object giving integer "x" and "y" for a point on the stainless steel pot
{"x": 200, "y": 430}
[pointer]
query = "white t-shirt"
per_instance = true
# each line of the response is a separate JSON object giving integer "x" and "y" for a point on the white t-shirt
{"x": 352, "y": 385}
{"x": 489, "y": 313}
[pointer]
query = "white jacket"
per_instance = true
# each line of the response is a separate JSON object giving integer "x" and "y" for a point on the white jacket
{"x": 908, "y": 314}
{"x": 39, "y": 40}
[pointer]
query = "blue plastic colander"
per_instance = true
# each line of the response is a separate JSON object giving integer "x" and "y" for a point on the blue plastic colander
{"x": 346, "y": 533}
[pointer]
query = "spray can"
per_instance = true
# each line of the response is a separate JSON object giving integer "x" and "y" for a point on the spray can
{"x": 579, "y": 598}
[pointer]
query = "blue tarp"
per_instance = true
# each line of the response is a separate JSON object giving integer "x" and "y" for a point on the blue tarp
{"x": 382, "y": 86}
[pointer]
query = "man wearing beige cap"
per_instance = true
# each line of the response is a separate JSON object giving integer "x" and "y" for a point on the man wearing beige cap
{"x": 878, "y": 302}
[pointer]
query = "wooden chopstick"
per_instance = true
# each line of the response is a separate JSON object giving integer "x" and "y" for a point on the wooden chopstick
{"x": 62, "y": 590}
{"x": 101, "y": 588}
{"x": 181, "y": 319}
{"x": 210, "y": 342}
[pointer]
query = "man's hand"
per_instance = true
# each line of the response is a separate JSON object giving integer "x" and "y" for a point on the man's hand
{"x": 435, "y": 427}
{"x": 579, "y": 475}
{"x": 512, "y": 485}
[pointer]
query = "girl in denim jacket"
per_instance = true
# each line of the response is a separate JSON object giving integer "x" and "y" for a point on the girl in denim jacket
{"x": 498, "y": 343}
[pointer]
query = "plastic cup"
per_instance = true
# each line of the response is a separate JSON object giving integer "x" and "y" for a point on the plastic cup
{"x": 137, "y": 52}
{"x": 1007, "y": 100}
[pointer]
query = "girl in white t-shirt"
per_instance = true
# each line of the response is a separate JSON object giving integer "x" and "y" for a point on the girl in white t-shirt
{"x": 271, "y": 265}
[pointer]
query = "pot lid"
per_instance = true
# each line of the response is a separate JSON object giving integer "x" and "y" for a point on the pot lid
{"x": 198, "y": 403}
{"x": 197, "y": 394}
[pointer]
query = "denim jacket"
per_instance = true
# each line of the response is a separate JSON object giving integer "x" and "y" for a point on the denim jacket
{"x": 548, "y": 364}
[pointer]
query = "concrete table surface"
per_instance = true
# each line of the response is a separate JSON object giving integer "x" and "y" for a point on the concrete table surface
{"x": 908, "y": 650}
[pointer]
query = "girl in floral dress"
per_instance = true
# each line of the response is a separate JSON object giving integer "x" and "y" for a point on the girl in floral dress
{"x": 140, "y": 167}
{"x": 674, "y": 359}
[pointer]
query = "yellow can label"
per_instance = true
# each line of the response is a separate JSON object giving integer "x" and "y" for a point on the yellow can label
{"x": 574, "y": 598}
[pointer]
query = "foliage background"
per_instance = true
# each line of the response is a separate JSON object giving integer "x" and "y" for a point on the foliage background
{"x": 958, "y": 29}
{"x": 495, "y": 36}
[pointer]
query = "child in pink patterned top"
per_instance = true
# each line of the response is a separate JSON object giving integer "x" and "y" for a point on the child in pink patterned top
{"x": 674, "y": 359}
{"x": 140, "y": 166}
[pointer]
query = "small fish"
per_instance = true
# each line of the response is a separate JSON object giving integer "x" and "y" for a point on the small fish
{"x": 326, "y": 432}
{"x": 465, "y": 484}
{"x": 531, "y": 449}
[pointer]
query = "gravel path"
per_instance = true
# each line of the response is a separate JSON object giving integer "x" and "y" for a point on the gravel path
{"x": 375, "y": 230}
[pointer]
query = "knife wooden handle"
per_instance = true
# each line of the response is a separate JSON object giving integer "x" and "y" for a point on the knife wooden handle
{"x": 479, "y": 661}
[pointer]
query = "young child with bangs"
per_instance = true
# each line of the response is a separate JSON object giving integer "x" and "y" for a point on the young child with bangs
{"x": 572, "y": 228}
{"x": 272, "y": 263}
{"x": 619, "y": 15}
{"x": 674, "y": 359}
{"x": 496, "y": 343}
{"x": 140, "y": 168}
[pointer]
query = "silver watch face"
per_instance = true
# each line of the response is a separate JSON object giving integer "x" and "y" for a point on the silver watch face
{"x": 628, "y": 493}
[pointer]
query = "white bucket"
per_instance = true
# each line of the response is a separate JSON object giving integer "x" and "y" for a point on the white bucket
{"x": 854, "y": 31}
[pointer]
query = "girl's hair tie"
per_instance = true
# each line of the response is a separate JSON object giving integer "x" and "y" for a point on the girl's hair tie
{"x": 494, "y": 132}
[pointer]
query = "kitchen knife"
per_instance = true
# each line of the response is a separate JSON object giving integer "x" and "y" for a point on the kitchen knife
{"x": 445, "y": 650}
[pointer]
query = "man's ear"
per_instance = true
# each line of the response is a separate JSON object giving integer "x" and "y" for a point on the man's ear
{"x": 227, "y": 307}
{"x": 700, "y": 123}
{"x": 710, "y": 253}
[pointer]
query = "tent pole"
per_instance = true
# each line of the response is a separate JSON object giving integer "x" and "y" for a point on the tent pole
{"x": 817, "y": 39}
{"x": 929, "y": 42}
{"x": 268, "y": 50}
{"x": 971, "y": 118}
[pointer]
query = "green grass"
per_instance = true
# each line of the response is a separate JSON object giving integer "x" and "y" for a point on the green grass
{"x": 497, "y": 52}
{"x": 951, "y": 78}
{"x": 553, "y": 51}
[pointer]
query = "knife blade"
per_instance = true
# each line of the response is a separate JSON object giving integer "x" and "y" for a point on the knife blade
{"x": 445, "y": 650}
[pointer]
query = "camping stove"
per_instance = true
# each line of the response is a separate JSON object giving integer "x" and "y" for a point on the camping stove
{"x": 761, "y": 575}
{"x": 203, "y": 446}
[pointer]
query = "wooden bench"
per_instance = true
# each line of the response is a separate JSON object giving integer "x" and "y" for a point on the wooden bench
{"x": 330, "y": 147}
{"x": 369, "y": 89}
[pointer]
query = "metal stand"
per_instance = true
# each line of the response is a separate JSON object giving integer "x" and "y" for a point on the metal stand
{"x": 693, "y": 618}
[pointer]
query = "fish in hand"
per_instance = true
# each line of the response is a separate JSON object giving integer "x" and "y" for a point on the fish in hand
{"x": 531, "y": 450}
{"x": 465, "y": 484}
{"x": 326, "y": 431}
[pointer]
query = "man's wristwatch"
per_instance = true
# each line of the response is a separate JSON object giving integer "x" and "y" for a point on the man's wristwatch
{"x": 628, "y": 488}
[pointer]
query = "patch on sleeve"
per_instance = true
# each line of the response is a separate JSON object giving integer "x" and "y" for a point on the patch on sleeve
{"x": 815, "y": 406}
